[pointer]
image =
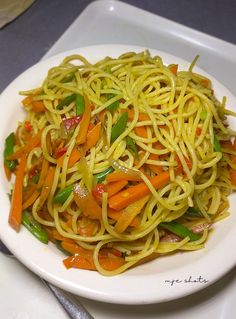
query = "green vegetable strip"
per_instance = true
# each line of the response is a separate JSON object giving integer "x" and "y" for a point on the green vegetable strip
{"x": 8, "y": 150}
{"x": 191, "y": 211}
{"x": 119, "y": 127}
{"x": 101, "y": 176}
{"x": 131, "y": 146}
{"x": 216, "y": 143}
{"x": 66, "y": 101}
{"x": 113, "y": 106}
{"x": 63, "y": 194}
{"x": 180, "y": 230}
{"x": 34, "y": 227}
{"x": 79, "y": 104}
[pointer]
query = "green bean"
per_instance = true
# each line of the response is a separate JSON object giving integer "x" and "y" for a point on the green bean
{"x": 34, "y": 227}
{"x": 119, "y": 127}
{"x": 180, "y": 230}
{"x": 66, "y": 101}
{"x": 63, "y": 194}
{"x": 79, "y": 104}
{"x": 101, "y": 176}
{"x": 113, "y": 106}
{"x": 216, "y": 143}
{"x": 8, "y": 150}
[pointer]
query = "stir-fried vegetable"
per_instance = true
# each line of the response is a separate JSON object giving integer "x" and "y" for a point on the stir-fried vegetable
{"x": 180, "y": 230}
{"x": 66, "y": 101}
{"x": 63, "y": 194}
{"x": 216, "y": 143}
{"x": 8, "y": 150}
{"x": 101, "y": 176}
{"x": 34, "y": 227}
{"x": 119, "y": 127}
{"x": 79, "y": 104}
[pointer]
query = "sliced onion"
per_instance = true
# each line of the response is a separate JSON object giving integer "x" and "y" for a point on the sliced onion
{"x": 198, "y": 229}
{"x": 170, "y": 238}
{"x": 86, "y": 173}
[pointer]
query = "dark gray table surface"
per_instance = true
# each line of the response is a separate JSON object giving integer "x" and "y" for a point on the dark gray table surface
{"x": 25, "y": 40}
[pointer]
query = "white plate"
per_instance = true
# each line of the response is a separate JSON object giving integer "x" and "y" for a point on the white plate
{"x": 165, "y": 278}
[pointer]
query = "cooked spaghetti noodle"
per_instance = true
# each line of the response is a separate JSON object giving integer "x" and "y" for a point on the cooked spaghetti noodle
{"x": 125, "y": 160}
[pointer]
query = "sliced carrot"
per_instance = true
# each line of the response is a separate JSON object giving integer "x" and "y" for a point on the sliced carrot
{"x": 7, "y": 173}
{"x": 31, "y": 144}
{"x": 93, "y": 136}
{"x": 55, "y": 235}
{"x": 121, "y": 176}
{"x": 115, "y": 187}
{"x": 87, "y": 227}
{"x": 47, "y": 185}
{"x": 116, "y": 215}
{"x": 111, "y": 262}
{"x": 141, "y": 131}
{"x": 16, "y": 202}
{"x": 28, "y": 201}
{"x": 141, "y": 117}
{"x": 75, "y": 156}
{"x": 38, "y": 106}
{"x": 129, "y": 213}
{"x": 27, "y": 100}
{"x": 173, "y": 68}
{"x": 134, "y": 193}
{"x": 205, "y": 83}
{"x": 84, "y": 260}
{"x": 87, "y": 204}
{"x": 72, "y": 247}
{"x": 84, "y": 124}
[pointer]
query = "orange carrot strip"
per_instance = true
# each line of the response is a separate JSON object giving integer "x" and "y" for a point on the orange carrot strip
{"x": 47, "y": 186}
{"x": 121, "y": 176}
{"x": 84, "y": 124}
{"x": 115, "y": 187}
{"x": 87, "y": 204}
{"x": 116, "y": 215}
{"x": 27, "y": 100}
{"x": 7, "y": 172}
{"x": 141, "y": 131}
{"x": 173, "y": 68}
{"x": 16, "y": 202}
{"x": 73, "y": 248}
{"x": 37, "y": 106}
{"x": 32, "y": 143}
{"x": 93, "y": 136}
{"x": 74, "y": 157}
{"x": 87, "y": 227}
{"x": 129, "y": 213}
{"x": 141, "y": 117}
{"x": 30, "y": 200}
{"x": 134, "y": 193}
{"x": 108, "y": 261}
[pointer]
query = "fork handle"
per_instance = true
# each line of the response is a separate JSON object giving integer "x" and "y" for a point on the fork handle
{"x": 75, "y": 310}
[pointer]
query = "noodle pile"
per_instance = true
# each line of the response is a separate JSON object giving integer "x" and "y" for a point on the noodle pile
{"x": 104, "y": 129}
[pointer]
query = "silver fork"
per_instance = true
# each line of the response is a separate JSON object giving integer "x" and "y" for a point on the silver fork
{"x": 75, "y": 310}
